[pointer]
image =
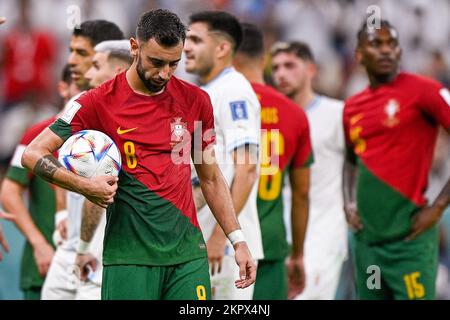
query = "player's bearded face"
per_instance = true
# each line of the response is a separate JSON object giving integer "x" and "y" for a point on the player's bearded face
{"x": 155, "y": 64}
{"x": 289, "y": 73}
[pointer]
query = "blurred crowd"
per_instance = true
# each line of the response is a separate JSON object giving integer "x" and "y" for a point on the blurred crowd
{"x": 34, "y": 47}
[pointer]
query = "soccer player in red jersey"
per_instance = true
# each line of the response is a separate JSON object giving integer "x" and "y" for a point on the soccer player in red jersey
{"x": 153, "y": 247}
{"x": 286, "y": 150}
{"x": 391, "y": 129}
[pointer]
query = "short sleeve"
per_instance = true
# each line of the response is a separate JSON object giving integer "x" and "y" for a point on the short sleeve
{"x": 303, "y": 156}
{"x": 240, "y": 118}
{"x": 208, "y": 136}
{"x": 435, "y": 102}
{"x": 78, "y": 114}
{"x": 16, "y": 171}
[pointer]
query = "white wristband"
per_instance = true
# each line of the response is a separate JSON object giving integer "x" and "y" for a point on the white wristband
{"x": 83, "y": 247}
{"x": 60, "y": 216}
{"x": 236, "y": 236}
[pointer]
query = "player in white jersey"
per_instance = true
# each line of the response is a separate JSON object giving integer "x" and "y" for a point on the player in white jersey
{"x": 212, "y": 40}
{"x": 325, "y": 247}
{"x": 111, "y": 58}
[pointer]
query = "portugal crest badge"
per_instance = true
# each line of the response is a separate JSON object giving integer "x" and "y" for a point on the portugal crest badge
{"x": 178, "y": 129}
{"x": 391, "y": 109}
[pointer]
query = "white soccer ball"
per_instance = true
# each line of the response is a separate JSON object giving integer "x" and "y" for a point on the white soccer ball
{"x": 90, "y": 153}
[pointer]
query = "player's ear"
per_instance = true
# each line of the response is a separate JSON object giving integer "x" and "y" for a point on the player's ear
{"x": 358, "y": 55}
{"x": 312, "y": 69}
{"x": 223, "y": 49}
{"x": 134, "y": 47}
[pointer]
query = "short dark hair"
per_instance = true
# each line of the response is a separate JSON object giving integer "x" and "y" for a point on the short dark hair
{"x": 66, "y": 74}
{"x": 162, "y": 25}
{"x": 98, "y": 31}
{"x": 300, "y": 49}
{"x": 220, "y": 21}
{"x": 252, "y": 44}
{"x": 362, "y": 32}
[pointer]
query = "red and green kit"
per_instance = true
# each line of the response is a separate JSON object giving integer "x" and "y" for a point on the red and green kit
{"x": 392, "y": 130}
{"x": 153, "y": 219}
{"x": 285, "y": 144}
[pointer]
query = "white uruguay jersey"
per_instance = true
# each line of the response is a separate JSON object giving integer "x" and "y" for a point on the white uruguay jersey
{"x": 327, "y": 228}
{"x": 74, "y": 210}
{"x": 237, "y": 122}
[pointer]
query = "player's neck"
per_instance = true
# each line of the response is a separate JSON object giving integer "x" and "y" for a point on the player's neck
{"x": 137, "y": 85}
{"x": 378, "y": 80}
{"x": 215, "y": 72}
{"x": 304, "y": 98}
{"x": 252, "y": 74}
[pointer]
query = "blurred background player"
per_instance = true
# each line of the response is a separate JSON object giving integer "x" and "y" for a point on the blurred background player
{"x": 212, "y": 40}
{"x": 387, "y": 125}
{"x": 111, "y": 58}
{"x": 286, "y": 150}
{"x": 325, "y": 249}
{"x": 62, "y": 282}
{"x": 37, "y": 221}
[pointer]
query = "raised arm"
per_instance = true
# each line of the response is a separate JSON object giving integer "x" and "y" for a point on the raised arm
{"x": 38, "y": 158}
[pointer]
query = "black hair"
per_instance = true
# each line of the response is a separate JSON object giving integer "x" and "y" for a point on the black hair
{"x": 162, "y": 25}
{"x": 220, "y": 21}
{"x": 66, "y": 74}
{"x": 252, "y": 44}
{"x": 300, "y": 49}
{"x": 362, "y": 32}
{"x": 98, "y": 31}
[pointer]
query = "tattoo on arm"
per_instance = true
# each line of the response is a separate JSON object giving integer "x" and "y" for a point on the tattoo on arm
{"x": 92, "y": 215}
{"x": 46, "y": 167}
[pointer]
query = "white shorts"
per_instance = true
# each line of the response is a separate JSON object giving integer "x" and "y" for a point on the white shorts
{"x": 61, "y": 281}
{"x": 222, "y": 284}
{"x": 89, "y": 291}
{"x": 322, "y": 277}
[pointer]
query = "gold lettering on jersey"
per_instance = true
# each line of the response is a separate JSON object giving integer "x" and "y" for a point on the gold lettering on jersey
{"x": 356, "y": 118}
{"x": 391, "y": 109}
{"x": 269, "y": 115}
{"x": 355, "y": 137}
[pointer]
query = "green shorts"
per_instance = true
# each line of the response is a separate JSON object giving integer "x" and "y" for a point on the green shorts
{"x": 400, "y": 270}
{"x": 271, "y": 281}
{"x": 33, "y": 293}
{"x": 186, "y": 281}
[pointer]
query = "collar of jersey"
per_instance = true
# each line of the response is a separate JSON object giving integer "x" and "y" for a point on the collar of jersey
{"x": 220, "y": 75}
{"x": 313, "y": 103}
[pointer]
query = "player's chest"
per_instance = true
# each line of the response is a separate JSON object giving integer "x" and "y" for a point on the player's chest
{"x": 150, "y": 127}
{"x": 383, "y": 115}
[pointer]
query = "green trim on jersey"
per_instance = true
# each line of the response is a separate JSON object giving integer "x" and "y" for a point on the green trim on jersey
{"x": 144, "y": 229}
{"x": 385, "y": 213}
{"x": 273, "y": 230}
{"x": 61, "y": 129}
{"x": 19, "y": 175}
{"x": 308, "y": 161}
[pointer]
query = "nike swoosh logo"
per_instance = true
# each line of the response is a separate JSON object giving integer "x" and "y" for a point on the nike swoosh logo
{"x": 120, "y": 131}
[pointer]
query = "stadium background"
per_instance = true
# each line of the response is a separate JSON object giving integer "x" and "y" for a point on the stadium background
{"x": 328, "y": 26}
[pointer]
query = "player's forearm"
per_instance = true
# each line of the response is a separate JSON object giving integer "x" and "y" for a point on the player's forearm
{"x": 243, "y": 182}
{"x": 42, "y": 163}
{"x": 299, "y": 221}
{"x": 12, "y": 202}
{"x": 92, "y": 215}
{"x": 218, "y": 198}
{"x": 349, "y": 181}
{"x": 443, "y": 199}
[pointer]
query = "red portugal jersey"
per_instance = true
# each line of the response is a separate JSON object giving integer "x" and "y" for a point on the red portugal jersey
{"x": 153, "y": 219}
{"x": 392, "y": 129}
{"x": 285, "y": 144}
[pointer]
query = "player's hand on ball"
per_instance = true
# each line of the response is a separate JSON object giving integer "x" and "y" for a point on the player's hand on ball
{"x": 101, "y": 190}
{"x": 247, "y": 267}
{"x": 352, "y": 216}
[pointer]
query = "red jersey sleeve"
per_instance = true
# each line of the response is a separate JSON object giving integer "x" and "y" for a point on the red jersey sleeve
{"x": 435, "y": 102}
{"x": 303, "y": 156}
{"x": 207, "y": 119}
